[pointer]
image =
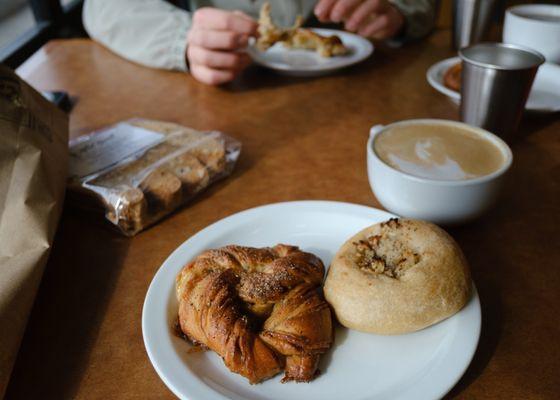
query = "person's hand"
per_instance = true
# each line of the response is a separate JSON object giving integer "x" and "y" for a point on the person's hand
{"x": 216, "y": 42}
{"x": 376, "y": 19}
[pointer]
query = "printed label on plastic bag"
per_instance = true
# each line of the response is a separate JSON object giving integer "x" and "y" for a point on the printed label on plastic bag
{"x": 109, "y": 148}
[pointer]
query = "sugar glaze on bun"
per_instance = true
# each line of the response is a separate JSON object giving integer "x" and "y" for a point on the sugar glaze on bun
{"x": 397, "y": 277}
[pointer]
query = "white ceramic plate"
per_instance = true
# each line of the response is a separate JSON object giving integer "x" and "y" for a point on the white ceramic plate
{"x": 544, "y": 97}
{"x": 421, "y": 365}
{"x": 309, "y": 63}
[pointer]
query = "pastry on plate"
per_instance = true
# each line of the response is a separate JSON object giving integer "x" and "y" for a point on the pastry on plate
{"x": 397, "y": 277}
{"x": 260, "y": 309}
{"x": 452, "y": 77}
{"x": 296, "y": 37}
{"x": 326, "y": 46}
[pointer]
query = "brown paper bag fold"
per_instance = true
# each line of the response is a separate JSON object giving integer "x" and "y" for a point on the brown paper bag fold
{"x": 33, "y": 169}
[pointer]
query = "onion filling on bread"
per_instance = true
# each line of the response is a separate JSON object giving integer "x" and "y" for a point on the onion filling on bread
{"x": 385, "y": 254}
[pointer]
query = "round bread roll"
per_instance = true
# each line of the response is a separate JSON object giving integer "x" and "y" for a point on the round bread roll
{"x": 397, "y": 277}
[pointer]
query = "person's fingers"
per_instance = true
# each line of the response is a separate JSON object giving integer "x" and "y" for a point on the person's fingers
{"x": 216, "y": 59}
{"x": 361, "y": 14}
{"x": 342, "y": 9}
{"x": 211, "y": 76}
{"x": 209, "y": 18}
{"x": 373, "y": 29}
{"x": 383, "y": 26}
{"x": 218, "y": 40}
{"x": 323, "y": 9}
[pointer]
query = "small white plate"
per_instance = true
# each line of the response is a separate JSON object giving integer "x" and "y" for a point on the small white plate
{"x": 309, "y": 63}
{"x": 421, "y": 365}
{"x": 544, "y": 97}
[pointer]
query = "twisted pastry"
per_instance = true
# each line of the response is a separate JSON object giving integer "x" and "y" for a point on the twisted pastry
{"x": 261, "y": 310}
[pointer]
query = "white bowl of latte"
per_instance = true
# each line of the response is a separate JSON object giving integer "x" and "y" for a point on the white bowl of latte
{"x": 441, "y": 171}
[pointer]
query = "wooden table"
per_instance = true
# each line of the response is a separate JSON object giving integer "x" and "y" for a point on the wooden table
{"x": 303, "y": 139}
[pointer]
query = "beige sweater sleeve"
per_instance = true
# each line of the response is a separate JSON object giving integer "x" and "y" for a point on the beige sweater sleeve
{"x": 148, "y": 32}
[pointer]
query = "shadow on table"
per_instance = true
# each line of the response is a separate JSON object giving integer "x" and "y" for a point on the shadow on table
{"x": 533, "y": 123}
{"x": 65, "y": 320}
{"x": 492, "y": 326}
{"x": 523, "y": 216}
{"x": 476, "y": 241}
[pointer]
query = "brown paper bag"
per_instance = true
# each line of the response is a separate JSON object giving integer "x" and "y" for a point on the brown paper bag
{"x": 33, "y": 168}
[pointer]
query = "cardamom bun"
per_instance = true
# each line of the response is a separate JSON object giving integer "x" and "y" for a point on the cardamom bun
{"x": 397, "y": 277}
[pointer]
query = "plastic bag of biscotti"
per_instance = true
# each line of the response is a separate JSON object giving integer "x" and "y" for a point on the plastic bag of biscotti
{"x": 140, "y": 170}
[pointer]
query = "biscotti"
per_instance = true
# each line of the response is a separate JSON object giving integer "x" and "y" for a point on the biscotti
{"x": 141, "y": 170}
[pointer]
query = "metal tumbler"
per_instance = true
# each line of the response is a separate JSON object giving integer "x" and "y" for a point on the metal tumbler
{"x": 496, "y": 82}
{"x": 471, "y": 20}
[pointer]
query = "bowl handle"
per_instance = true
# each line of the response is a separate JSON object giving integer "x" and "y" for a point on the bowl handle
{"x": 374, "y": 131}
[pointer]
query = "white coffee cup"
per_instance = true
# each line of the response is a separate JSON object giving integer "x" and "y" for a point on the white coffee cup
{"x": 536, "y": 26}
{"x": 440, "y": 201}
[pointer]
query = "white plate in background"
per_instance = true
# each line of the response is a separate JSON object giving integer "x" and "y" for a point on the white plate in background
{"x": 544, "y": 97}
{"x": 309, "y": 63}
{"x": 420, "y": 365}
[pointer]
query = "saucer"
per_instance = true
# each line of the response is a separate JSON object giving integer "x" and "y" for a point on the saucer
{"x": 544, "y": 97}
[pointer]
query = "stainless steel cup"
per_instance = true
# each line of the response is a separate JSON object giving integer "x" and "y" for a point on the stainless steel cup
{"x": 471, "y": 20}
{"x": 496, "y": 81}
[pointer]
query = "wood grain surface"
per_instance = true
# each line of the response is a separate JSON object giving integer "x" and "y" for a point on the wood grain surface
{"x": 303, "y": 139}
